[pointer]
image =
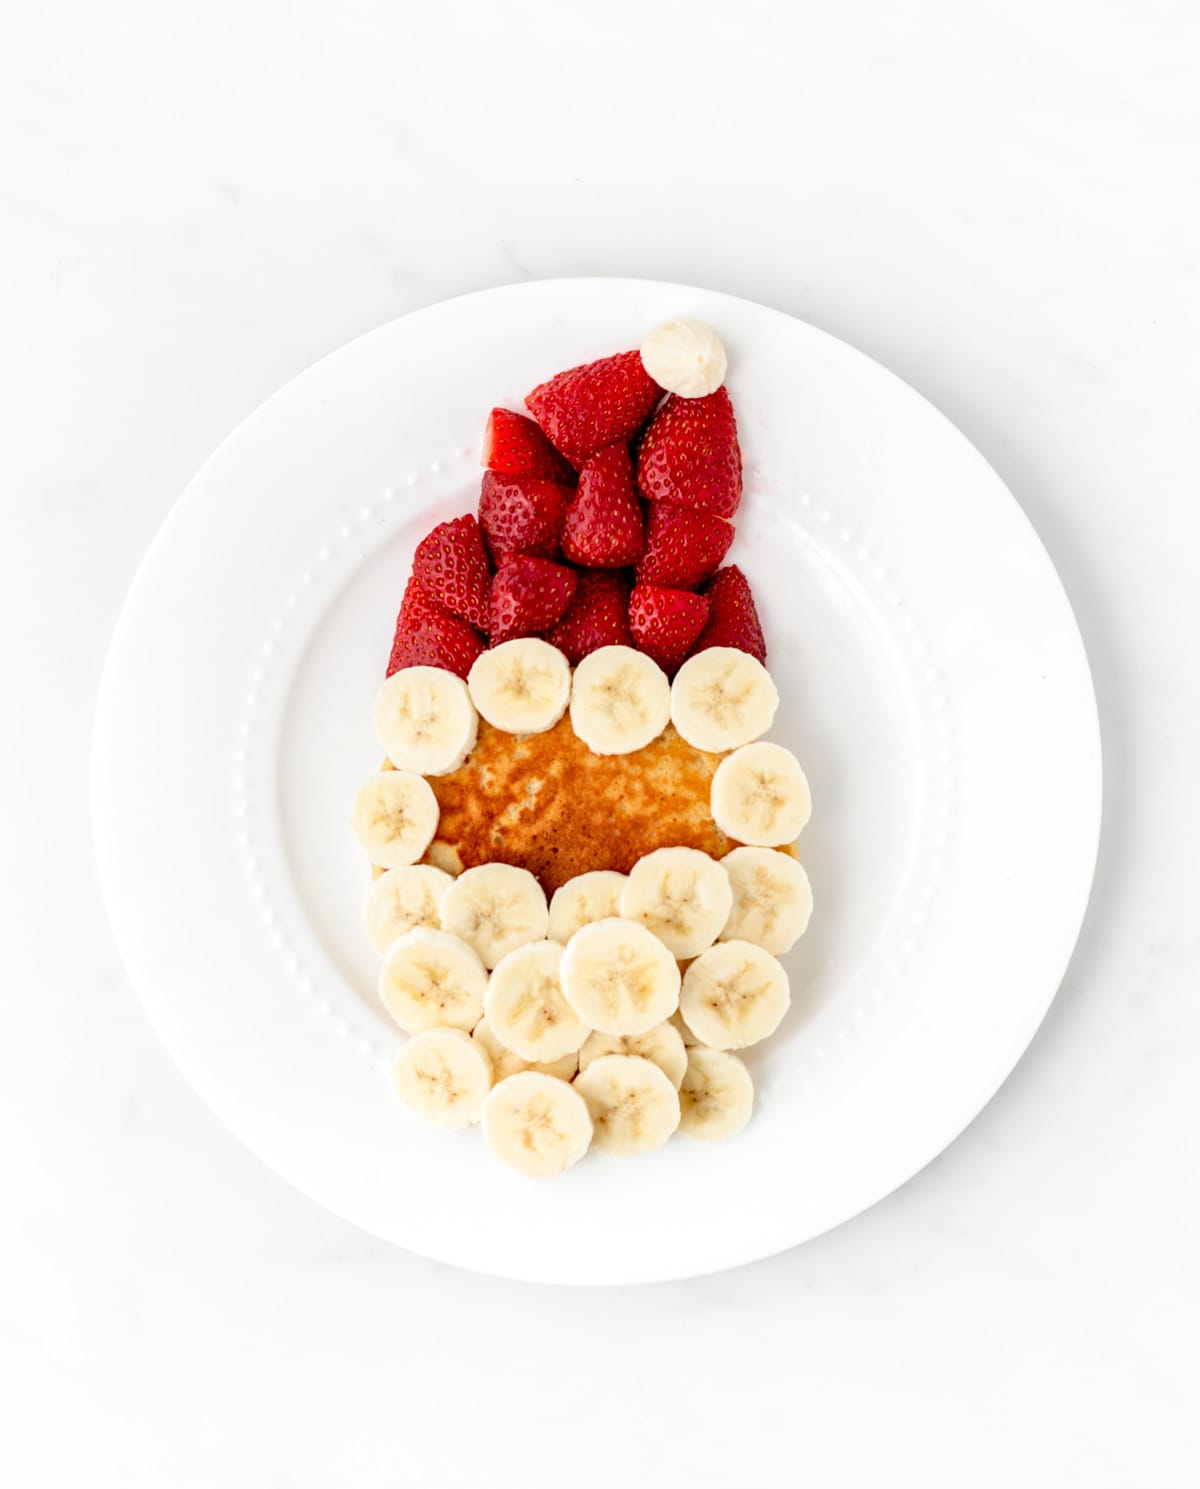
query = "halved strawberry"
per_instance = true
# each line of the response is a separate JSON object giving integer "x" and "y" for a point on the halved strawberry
{"x": 689, "y": 454}
{"x": 427, "y": 635}
{"x": 451, "y": 564}
{"x": 597, "y": 616}
{"x": 528, "y": 596}
{"x": 732, "y": 615}
{"x": 522, "y": 514}
{"x": 515, "y": 446}
{"x": 585, "y": 408}
{"x": 664, "y": 623}
{"x": 683, "y": 546}
{"x": 603, "y": 525}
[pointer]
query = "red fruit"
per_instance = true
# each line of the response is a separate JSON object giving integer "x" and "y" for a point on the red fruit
{"x": 528, "y": 596}
{"x": 690, "y": 455}
{"x": 664, "y": 623}
{"x": 597, "y": 616}
{"x": 453, "y": 568}
{"x": 427, "y": 635}
{"x": 732, "y": 615}
{"x": 522, "y": 514}
{"x": 586, "y": 408}
{"x": 515, "y": 446}
{"x": 603, "y": 525}
{"x": 683, "y": 546}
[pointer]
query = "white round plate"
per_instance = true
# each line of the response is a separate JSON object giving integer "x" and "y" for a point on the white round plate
{"x": 934, "y": 684}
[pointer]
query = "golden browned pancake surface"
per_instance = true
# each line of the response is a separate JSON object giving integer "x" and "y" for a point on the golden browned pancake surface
{"x": 545, "y": 803}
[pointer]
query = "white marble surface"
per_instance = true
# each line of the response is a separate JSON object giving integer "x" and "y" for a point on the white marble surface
{"x": 999, "y": 203}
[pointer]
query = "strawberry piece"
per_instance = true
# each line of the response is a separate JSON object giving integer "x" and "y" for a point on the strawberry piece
{"x": 665, "y": 623}
{"x": 513, "y": 445}
{"x": 528, "y": 596}
{"x": 603, "y": 525}
{"x": 453, "y": 568}
{"x": 427, "y": 635}
{"x": 586, "y": 408}
{"x": 732, "y": 615}
{"x": 689, "y": 454}
{"x": 522, "y": 515}
{"x": 597, "y": 616}
{"x": 683, "y": 546}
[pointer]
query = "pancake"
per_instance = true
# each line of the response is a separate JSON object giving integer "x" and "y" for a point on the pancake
{"x": 546, "y": 803}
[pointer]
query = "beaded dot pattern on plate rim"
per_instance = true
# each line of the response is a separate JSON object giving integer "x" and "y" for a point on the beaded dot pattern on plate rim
{"x": 853, "y": 549}
{"x": 860, "y": 556}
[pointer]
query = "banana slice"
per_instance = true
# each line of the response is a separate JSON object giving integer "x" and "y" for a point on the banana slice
{"x": 584, "y": 899}
{"x": 402, "y": 898}
{"x": 536, "y": 1124}
{"x": 680, "y": 894}
{"x": 495, "y": 908}
{"x": 633, "y": 1105}
{"x": 619, "y": 977}
{"x": 760, "y": 795}
{"x": 430, "y": 979}
{"x": 772, "y": 899}
{"x": 678, "y": 1022}
{"x": 444, "y": 856}
{"x": 505, "y": 1063}
{"x": 620, "y": 700}
{"x": 717, "y": 1095}
{"x": 723, "y": 698}
{"x": 521, "y": 686}
{"x": 685, "y": 356}
{"x": 425, "y": 720}
{"x": 525, "y": 1007}
{"x": 395, "y": 817}
{"x": 443, "y": 1076}
{"x": 734, "y": 995}
{"x": 662, "y": 1046}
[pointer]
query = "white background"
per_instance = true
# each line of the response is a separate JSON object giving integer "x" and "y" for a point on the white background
{"x": 998, "y": 202}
